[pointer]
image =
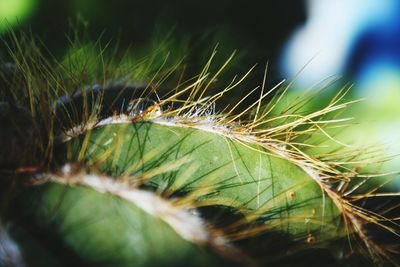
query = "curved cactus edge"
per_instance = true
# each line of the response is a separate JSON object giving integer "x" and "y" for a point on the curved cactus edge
{"x": 195, "y": 112}
{"x": 188, "y": 225}
{"x": 199, "y": 113}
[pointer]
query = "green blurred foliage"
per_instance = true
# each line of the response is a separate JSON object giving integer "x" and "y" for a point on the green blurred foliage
{"x": 14, "y": 12}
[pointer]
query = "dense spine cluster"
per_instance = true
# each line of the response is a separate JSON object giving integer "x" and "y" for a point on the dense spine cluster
{"x": 132, "y": 174}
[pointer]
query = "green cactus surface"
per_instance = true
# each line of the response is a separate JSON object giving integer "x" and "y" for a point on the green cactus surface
{"x": 127, "y": 162}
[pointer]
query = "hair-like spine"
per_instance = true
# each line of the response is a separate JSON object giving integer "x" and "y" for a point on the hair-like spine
{"x": 114, "y": 157}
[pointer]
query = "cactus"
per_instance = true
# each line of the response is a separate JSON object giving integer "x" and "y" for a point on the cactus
{"x": 128, "y": 173}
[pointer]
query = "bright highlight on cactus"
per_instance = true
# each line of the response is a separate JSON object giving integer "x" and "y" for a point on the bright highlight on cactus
{"x": 128, "y": 173}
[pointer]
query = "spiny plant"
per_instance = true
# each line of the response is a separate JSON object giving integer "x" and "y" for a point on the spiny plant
{"x": 103, "y": 164}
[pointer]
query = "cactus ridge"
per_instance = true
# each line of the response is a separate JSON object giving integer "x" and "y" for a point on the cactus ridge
{"x": 175, "y": 156}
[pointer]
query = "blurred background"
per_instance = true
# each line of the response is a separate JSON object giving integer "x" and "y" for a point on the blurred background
{"x": 310, "y": 41}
